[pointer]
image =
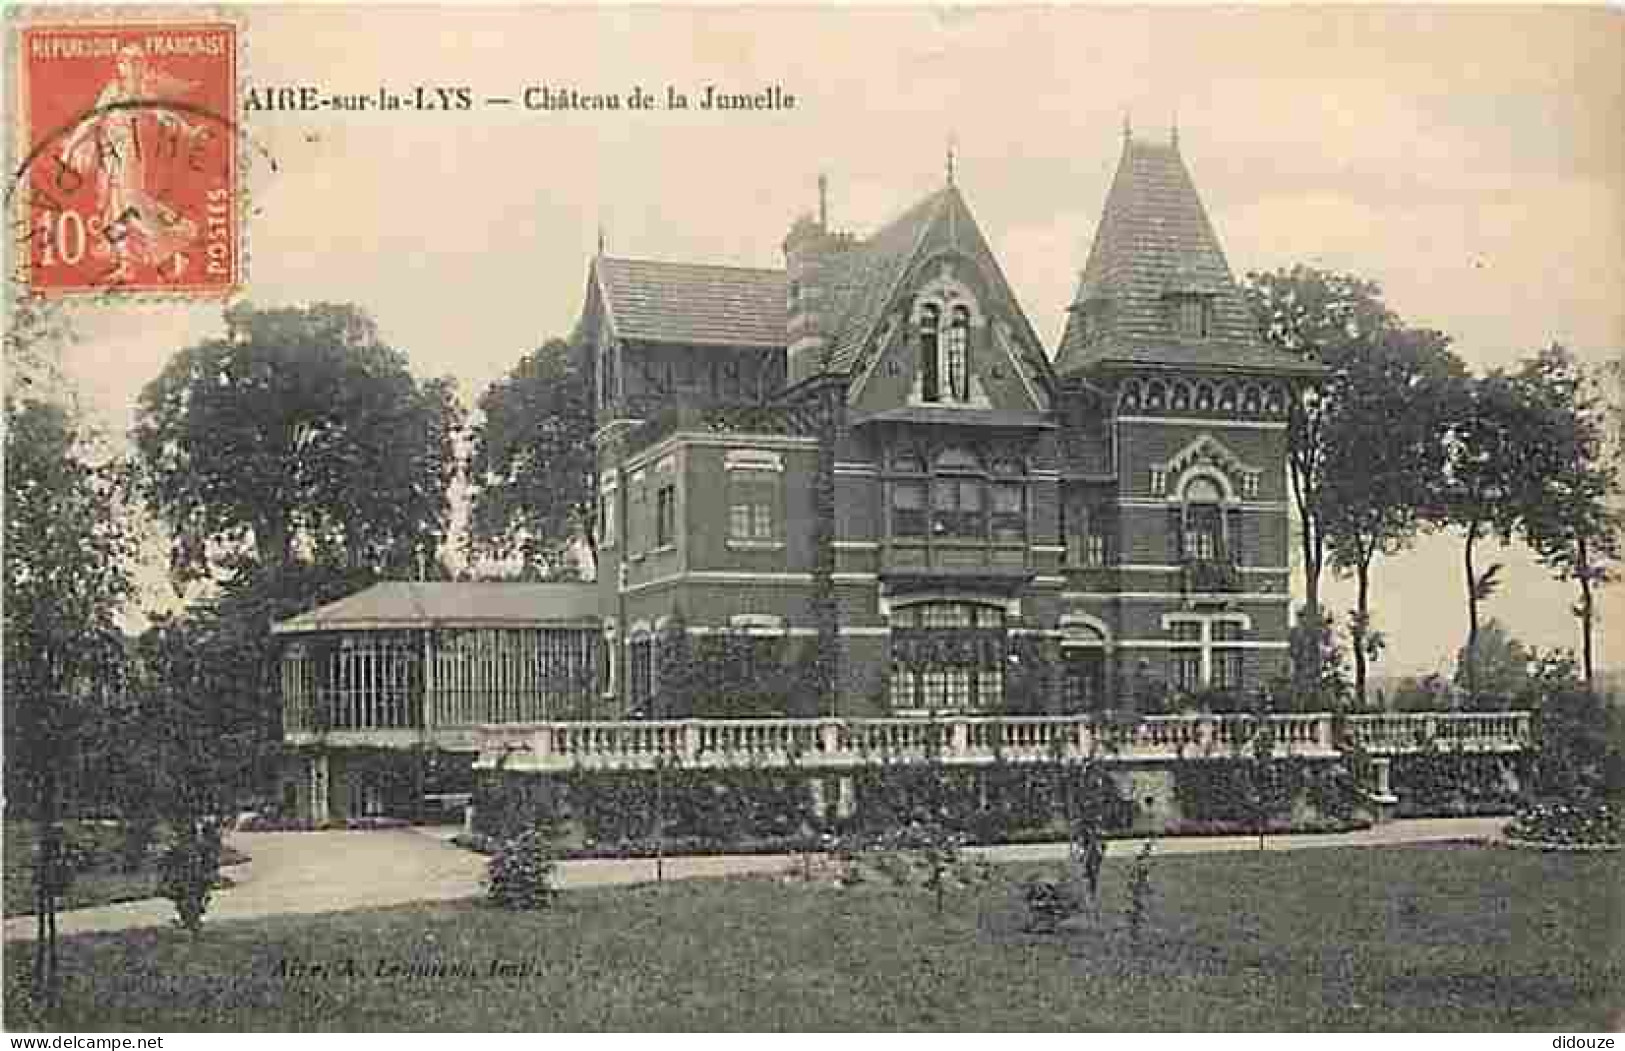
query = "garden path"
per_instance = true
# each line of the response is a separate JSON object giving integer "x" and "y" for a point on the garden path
{"x": 300, "y": 873}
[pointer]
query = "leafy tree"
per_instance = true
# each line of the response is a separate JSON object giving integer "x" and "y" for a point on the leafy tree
{"x": 1424, "y": 693}
{"x": 67, "y": 550}
{"x": 1314, "y": 644}
{"x": 1564, "y": 512}
{"x": 299, "y": 433}
{"x": 1384, "y": 461}
{"x": 1497, "y": 668}
{"x": 1489, "y": 464}
{"x": 1328, "y": 318}
{"x": 533, "y": 465}
{"x": 219, "y": 662}
{"x": 1580, "y": 739}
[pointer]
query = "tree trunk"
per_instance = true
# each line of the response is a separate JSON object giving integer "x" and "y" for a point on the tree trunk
{"x": 273, "y": 542}
{"x": 1471, "y": 654}
{"x": 1361, "y": 628}
{"x": 1582, "y": 574}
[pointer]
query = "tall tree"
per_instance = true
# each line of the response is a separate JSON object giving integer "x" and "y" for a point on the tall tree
{"x": 300, "y": 432}
{"x": 533, "y": 465}
{"x": 1488, "y": 465}
{"x": 1384, "y": 459}
{"x": 67, "y": 552}
{"x": 1565, "y": 514}
{"x": 1329, "y": 318}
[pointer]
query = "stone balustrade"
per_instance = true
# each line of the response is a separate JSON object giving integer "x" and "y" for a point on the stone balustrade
{"x": 561, "y": 746}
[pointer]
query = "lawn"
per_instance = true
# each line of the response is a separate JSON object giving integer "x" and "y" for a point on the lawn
{"x": 1394, "y": 938}
{"x": 101, "y": 884}
{"x": 101, "y": 879}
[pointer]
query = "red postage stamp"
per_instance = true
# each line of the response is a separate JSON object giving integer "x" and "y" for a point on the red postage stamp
{"x": 128, "y": 181}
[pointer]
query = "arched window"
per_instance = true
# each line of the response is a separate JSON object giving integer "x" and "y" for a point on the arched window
{"x": 1204, "y": 521}
{"x": 956, "y": 355}
{"x": 930, "y": 323}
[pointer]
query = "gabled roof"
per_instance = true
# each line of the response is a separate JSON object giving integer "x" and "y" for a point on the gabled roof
{"x": 863, "y": 280}
{"x": 692, "y": 303}
{"x": 395, "y": 604}
{"x": 1154, "y": 241}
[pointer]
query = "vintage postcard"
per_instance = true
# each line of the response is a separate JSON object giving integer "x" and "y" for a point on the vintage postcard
{"x": 835, "y": 517}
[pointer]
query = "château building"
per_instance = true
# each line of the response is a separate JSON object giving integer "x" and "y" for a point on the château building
{"x": 868, "y": 463}
{"x": 873, "y": 444}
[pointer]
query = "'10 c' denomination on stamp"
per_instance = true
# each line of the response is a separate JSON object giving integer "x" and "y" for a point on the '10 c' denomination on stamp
{"x": 129, "y": 159}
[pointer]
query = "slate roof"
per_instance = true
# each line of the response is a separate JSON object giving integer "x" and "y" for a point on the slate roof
{"x": 860, "y": 282}
{"x": 394, "y": 604}
{"x": 1155, "y": 240}
{"x": 693, "y": 303}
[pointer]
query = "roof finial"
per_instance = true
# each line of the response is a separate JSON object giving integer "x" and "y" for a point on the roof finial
{"x": 823, "y": 201}
{"x": 950, "y": 159}
{"x": 1128, "y": 127}
{"x": 1173, "y": 134}
{"x": 600, "y": 239}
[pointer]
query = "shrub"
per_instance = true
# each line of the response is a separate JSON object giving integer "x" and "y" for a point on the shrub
{"x": 520, "y": 874}
{"x": 1049, "y": 903}
{"x": 1594, "y": 824}
{"x": 190, "y": 869}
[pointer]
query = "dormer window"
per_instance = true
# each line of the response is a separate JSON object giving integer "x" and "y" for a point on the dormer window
{"x": 1193, "y": 316}
{"x": 930, "y": 337}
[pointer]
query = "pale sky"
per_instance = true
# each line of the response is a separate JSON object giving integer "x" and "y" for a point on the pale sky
{"x": 1470, "y": 160}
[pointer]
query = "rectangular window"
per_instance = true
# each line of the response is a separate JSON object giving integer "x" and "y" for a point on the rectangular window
{"x": 1227, "y": 674}
{"x": 990, "y": 689}
{"x": 904, "y": 692}
{"x": 636, "y": 525}
{"x": 947, "y": 689}
{"x": 1202, "y": 533}
{"x": 1074, "y": 527}
{"x": 753, "y": 498}
{"x": 1187, "y": 631}
{"x": 908, "y": 509}
{"x": 1009, "y": 511}
{"x": 666, "y": 515}
{"x": 606, "y": 517}
{"x": 1187, "y": 670}
{"x": 1226, "y": 631}
{"x": 1095, "y": 554}
{"x": 957, "y": 508}
{"x": 641, "y": 659}
{"x": 1193, "y": 316}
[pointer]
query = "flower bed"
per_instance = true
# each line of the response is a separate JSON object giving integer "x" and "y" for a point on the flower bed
{"x": 267, "y": 823}
{"x": 1569, "y": 826}
{"x": 1311, "y": 826}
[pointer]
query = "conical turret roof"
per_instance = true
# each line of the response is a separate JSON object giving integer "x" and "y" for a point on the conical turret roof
{"x": 1155, "y": 244}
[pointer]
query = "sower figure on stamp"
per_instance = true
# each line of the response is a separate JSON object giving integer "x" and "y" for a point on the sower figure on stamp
{"x": 126, "y": 130}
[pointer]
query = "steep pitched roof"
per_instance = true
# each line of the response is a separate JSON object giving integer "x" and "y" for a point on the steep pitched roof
{"x": 394, "y": 604}
{"x": 864, "y": 279}
{"x": 1155, "y": 240}
{"x": 693, "y": 303}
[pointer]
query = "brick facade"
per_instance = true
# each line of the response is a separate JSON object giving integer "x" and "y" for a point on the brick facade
{"x": 1119, "y": 514}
